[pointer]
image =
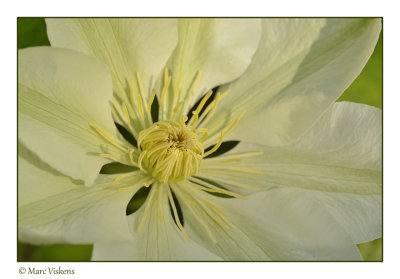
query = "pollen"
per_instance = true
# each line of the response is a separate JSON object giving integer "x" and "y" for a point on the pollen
{"x": 170, "y": 151}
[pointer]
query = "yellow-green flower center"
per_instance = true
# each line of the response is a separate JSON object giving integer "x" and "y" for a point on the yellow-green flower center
{"x": 170, "y": 151}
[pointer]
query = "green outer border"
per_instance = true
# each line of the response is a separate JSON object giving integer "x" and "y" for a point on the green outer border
{"x": 381, "y": 17}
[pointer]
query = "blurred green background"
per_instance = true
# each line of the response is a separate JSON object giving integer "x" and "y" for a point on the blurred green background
{"x": 367, "y": 89}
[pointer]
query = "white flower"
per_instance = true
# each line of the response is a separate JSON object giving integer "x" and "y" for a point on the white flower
{"x": 304, "y": 183}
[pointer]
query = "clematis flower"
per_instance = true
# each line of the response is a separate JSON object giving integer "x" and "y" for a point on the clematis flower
{"x": 301, "y": 179}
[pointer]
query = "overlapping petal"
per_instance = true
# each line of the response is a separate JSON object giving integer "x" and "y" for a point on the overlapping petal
{"x": 280, "y": 224}
{"x": 158, "y": 238}
{"x": 221, "y": 49}
{"x": 53, "y": 208}
{"x": 125, "y": 45}
{"x": 341, "y": 153}
{"x": 60, "y": 93}
{"x": 338, "y": 160}
{"x": 301, "y": 67}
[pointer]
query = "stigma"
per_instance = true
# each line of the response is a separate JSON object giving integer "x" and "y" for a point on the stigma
{"x": 170, "y": 151}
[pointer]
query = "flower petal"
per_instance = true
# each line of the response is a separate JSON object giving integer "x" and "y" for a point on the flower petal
{"x": 339, "y": 160}
{"x": 288, "y": 224}
{"x": 301, "y": 67}
{"x": 359, "y": 215}
{"x": 221, "y": 49}
{"x": 205, "y": 224}
{"x": 158, "y": 239}
{"x": 125, "y": 45}
{"x": 59, "y": 93}
{"x": 342, "y": 153}
{"x": 54, "y": 208}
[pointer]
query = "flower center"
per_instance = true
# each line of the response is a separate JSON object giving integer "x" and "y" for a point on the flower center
{"x": 170, "y": 151}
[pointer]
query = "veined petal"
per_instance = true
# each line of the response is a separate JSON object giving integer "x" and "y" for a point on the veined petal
{"x": 125, "y": 45}
{"x": 301, "y": 67}
{"x": 220, "y": 49}
{"x": 359, "y": 215}
{"x": 206, "y": 225}
{"x": 158, "y": 239}
{"x": 342, "y": 153}
{"x": 287, "y": 224}
{"x": 338, "y": 160}
{"x": 60, "y": 92}
{"x": 54, "y": 208}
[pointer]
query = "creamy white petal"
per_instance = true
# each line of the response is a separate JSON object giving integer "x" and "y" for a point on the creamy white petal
{"x": 359, "y": 215}
{"x": 280, "y": 224}
{"x": 54, "y": 208}
{"x": 221, "y": 49}
{"x": 59, "y": 93}
{"x": 158, "y": 239}
{"x": 301, "y": 67}
{"x": 339, "y": 160}
{"x": 126, "y": 45}
{"x": 203, "y": 225}
{"x": 341, "y": 153}
{"x": 288, "y": 224}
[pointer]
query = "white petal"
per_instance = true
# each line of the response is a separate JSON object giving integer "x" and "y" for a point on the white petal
{"x": 60, "y": 93}
{"x": 359, "y": 215}
{"x": 339, "y": 159}
{"x": 54, "y": 208}
{"x": 221, "y": 49}
{"x": 230, "y": 244}
{"x": 125, "y": 45}
{"x": 342, "y": 153}
{"x": 159, "y": 238}
{"x": 280, "y": 224}
{"x": 288, "y": 224}
{"x": 300, "y": 69}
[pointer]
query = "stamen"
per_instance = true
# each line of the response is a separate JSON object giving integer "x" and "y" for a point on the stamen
{"x": 107, "y": 136}
{"x": 188, "y": 99}
{"x": 165, "y": 75}
{"x": 177, "y": 88}
{"x": 118, "y": 110}
{"x": 140, "y": 107}
{"x": 234, "y": 123}
{"x": 178, "y": 106}
{"x": 216, "y": 214}
{"x": 141, "y": 156}
{"x": 125, "y": 189}
{"x": 131, "y": 157}
{"x": 118, "y": 179}
{"x": 212, "y": 150}
{"x": 215, "y": 189}
{"x": 240, "y": 185}
{"x": 237, "y": 156}
{"x": 195, "y": 83}
{"x": 176, "y": 217}
{"x": 108, "y": 156}
{"x": 189, "y": 206}
{"x": 140, "y": 84}
{"x": 203, "y": 101}
{"x": 153, "y": 95}
{"x": 164, "y": 91}
{"x": 146, "y": 210}
{"x": 132, "y": 91}
{"x": 184, "y": 119}
{"x": 247, "y": 170}
{"x": 127, "y": 118}
{"x": 236, "y": 169}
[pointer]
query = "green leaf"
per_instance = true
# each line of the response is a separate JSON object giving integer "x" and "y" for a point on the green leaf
{"x": 31, "y": 31}
{"x": 54, "y": 253}
{"x": 372, "y": 251}
{"x": 367, "y": 88}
